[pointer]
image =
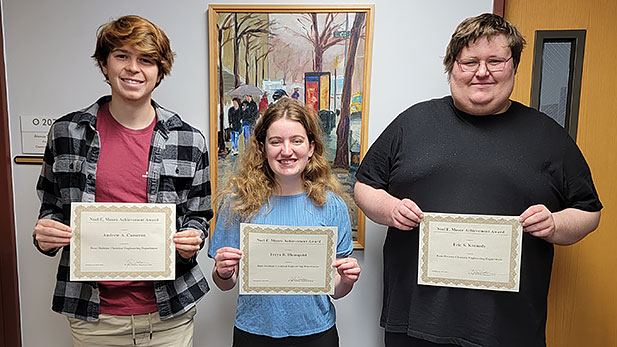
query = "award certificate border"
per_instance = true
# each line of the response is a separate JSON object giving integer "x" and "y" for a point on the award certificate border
{"x": 246, "y": 228}
{"x": 170, "y": 228}
{"x": 515, "y": 251}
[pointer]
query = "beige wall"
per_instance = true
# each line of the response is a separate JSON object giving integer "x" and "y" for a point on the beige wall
{"x": 583, "y": 294}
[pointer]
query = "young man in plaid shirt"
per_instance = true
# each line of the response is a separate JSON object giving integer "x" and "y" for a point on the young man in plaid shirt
{"x": 127, "y": 148}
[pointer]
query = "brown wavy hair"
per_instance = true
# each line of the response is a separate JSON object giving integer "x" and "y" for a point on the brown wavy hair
{"x": 251, "y": 185}
{"x": 485, "y": 25}
{"x": 138, "y": 32}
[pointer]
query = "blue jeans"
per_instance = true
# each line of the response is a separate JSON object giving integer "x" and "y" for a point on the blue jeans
{"x": 246, "y": 131}
{"x": 235, "y": 136}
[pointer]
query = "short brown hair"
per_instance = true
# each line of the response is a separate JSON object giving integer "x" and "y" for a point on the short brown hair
{"x": 138, "y": 32}
{"x": 485, "y": 25}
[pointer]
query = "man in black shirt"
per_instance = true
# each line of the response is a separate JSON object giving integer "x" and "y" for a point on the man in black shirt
{"x": 475, "y": 152}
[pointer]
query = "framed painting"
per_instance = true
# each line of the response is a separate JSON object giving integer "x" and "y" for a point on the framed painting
{"x": 318, "y": 54}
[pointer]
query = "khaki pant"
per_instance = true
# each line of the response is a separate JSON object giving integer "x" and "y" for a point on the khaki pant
{"x": 140, "y": 330}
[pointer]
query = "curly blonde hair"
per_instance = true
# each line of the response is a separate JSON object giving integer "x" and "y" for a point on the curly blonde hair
{"x": 251, "y": 186}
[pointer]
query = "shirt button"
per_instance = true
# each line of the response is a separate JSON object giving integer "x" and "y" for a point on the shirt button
{"x": 89, "y": 176}
{"x": 177, "y": 170}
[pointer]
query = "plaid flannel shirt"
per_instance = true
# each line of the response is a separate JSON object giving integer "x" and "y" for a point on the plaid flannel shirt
{"x": 177, "y": 173}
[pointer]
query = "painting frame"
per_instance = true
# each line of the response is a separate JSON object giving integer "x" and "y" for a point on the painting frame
{"x": 217, "y": 110}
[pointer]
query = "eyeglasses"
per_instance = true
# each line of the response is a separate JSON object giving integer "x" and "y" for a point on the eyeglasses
{"x": 492, "y": 64}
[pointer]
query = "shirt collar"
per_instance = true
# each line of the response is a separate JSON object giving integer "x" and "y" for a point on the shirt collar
{"x": 165, "y": 118}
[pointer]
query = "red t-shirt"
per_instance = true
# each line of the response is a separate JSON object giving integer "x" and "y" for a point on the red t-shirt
{"x": 121, "y": 176}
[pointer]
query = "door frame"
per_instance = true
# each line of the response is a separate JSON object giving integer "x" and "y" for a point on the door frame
{"x": 10, "y": 324}
{"x": 498, "y": 7}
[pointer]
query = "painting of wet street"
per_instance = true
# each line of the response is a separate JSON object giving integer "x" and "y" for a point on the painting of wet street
{"x": 317, "y": 55}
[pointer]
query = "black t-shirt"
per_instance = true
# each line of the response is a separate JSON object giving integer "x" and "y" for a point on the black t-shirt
{"x": 452, "y": 162}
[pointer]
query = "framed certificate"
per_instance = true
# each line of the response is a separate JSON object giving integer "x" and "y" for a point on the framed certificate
{"x": 287, "y": 259}
{"x": 470, "y": 251}
{"x": 122, "y": 241}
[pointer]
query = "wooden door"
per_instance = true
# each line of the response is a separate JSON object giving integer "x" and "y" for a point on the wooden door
{"x": 583, "y": 295}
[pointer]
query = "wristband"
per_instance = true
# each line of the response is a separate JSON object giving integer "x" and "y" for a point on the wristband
{"x": 224, "y": 278}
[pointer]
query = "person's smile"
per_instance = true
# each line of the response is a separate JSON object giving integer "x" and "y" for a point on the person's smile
{"x": 132, "y": 81}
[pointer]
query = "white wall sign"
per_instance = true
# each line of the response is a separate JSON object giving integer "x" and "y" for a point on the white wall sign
{"x": 34, "y": 131}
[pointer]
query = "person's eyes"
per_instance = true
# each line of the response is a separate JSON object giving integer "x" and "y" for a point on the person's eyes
{"x": 470, "y": 62}
{"x": 495, "y": 61}
{"x": 120, "y": 56}
{"x": 146, "y": 61}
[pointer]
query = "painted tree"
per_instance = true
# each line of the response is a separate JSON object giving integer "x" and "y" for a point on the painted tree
{"x": 281, "y": 59}
{"x": 233, "y": 29}
{"x": 288, "y": 61}
{"x": 252, "y": 47}
{"x": 262, "y": 55}
{"x": 341, "y": 160}
{"x": 249, "y": 25}
{"x": 225, "y": 24}
{"x": 320, "y": 39}
{"x": 303, "y": 64}
{"x": 249, "y": 43}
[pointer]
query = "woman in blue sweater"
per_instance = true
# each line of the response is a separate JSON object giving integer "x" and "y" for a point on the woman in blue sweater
{"x": 283, "y": 178}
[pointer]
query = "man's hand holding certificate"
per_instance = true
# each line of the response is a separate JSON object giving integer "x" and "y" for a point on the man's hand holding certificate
{"x": 470, "y": 251}
{"x": 122, "y": 241}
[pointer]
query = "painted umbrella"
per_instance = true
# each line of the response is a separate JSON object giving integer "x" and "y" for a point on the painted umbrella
{"x": 245, "y": 89}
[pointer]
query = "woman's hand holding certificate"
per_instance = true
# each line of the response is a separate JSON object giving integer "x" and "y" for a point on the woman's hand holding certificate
{"x": 287, "y": 259}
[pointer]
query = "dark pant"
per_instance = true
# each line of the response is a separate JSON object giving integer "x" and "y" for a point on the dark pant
{"x": 328, "y": 338}
{"x": 404, "y": 340}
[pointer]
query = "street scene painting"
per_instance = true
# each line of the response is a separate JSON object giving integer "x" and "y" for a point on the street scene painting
{"x": 319, "y": 55}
